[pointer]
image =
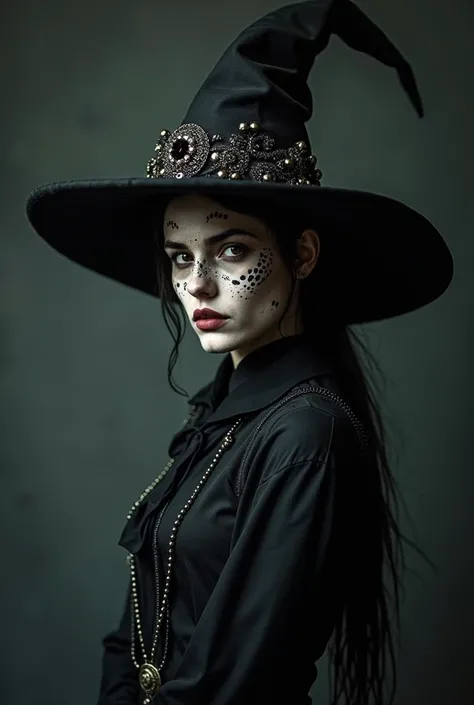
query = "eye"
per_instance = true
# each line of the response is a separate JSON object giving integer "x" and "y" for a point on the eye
{"x": 237, "y": 256}
{"x": 230, "y": 258}
{"x": 174, "y": 258}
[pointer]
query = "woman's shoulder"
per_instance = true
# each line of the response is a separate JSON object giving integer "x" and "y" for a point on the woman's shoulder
{"x": 309, "y": 423}
{"x": 314, "y": 407}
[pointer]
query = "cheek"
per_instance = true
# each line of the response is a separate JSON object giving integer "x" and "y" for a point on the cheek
{"x": 250, "y": 283}
{"x": 258, "y": 290}
{"x": 180, "y": 289}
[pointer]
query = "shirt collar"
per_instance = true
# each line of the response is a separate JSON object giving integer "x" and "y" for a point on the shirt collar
{"x": 262, "y": 376}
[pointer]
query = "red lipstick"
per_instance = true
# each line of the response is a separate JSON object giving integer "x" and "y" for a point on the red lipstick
{"x": 206, "y": 313}
{"x": 211, "y": 323}
{"x": 208, "y": 319}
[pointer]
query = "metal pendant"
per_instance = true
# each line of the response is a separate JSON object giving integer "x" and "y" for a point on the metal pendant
{"x": 149, "y": 678}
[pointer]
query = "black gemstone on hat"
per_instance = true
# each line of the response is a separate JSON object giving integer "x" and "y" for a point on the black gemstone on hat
{"x": 179, "y": 149}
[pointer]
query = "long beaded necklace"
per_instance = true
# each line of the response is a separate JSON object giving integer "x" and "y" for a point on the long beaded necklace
{"x": 149, "y": 675}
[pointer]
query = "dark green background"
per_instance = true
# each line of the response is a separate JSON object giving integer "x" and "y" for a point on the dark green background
{"x": 86, "y": 413}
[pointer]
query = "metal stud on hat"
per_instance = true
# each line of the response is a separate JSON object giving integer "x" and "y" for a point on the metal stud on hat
{"x": 249, "y": 153}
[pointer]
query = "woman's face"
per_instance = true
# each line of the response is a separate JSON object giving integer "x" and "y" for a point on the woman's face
{"x": 227, "y": 262}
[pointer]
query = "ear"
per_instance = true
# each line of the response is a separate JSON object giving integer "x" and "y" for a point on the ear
{"x": 307, "y": 249}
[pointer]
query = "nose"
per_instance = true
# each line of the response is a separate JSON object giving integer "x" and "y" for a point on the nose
{"x": 202, "y": 282}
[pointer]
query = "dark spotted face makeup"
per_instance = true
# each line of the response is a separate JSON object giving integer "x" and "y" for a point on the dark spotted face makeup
{"x": 227, "y": 262}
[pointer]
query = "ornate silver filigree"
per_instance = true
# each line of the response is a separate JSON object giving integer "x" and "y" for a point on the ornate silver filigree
{"x": 248, "y": 154}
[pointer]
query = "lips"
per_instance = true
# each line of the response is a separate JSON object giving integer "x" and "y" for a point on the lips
{"x": 210, "y": 324}
{"x": 206, "y": 313}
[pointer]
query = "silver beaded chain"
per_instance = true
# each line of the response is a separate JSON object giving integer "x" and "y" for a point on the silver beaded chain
{"x": 149, "y": 675}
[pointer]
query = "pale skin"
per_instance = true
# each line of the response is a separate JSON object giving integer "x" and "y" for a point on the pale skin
{"x": 242, "y": 276}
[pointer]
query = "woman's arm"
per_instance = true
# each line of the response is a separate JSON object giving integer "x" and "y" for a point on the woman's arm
{"x": 119, "y": 684}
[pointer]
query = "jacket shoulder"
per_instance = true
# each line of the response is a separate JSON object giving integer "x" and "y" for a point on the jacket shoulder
{"x": 308, "y": 427}
{"x": 314, "y": 411}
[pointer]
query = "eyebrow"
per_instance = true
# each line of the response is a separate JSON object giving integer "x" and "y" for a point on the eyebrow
{"x": 174, "y": 245}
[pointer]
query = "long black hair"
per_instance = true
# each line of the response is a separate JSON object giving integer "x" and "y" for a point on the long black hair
{"x": 362, "y": 647}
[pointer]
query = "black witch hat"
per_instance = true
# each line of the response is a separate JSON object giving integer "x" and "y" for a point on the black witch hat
{"x": 244, "y": 135}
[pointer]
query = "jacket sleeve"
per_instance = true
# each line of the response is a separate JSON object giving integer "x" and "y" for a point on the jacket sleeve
{"x": 272, "y": 594}
{"x": 119, "y": 684}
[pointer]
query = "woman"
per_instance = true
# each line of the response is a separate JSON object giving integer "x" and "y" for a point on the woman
{"x": 265, "y": 537}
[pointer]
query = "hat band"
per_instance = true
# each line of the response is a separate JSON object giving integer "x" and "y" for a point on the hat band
{"x": 249, "y": 154}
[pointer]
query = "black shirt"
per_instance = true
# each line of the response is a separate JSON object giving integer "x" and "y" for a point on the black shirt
{"x": 253, "y": 597}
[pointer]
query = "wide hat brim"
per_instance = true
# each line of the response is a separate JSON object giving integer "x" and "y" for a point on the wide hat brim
{"x": 379, "y": 258}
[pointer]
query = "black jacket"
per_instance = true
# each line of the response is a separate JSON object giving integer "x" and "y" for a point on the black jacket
{"x": 258, "y": 556}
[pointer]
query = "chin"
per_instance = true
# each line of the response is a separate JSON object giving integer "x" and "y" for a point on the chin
{"x": 220, "y": 342}
{"x": 215, "y": 342}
